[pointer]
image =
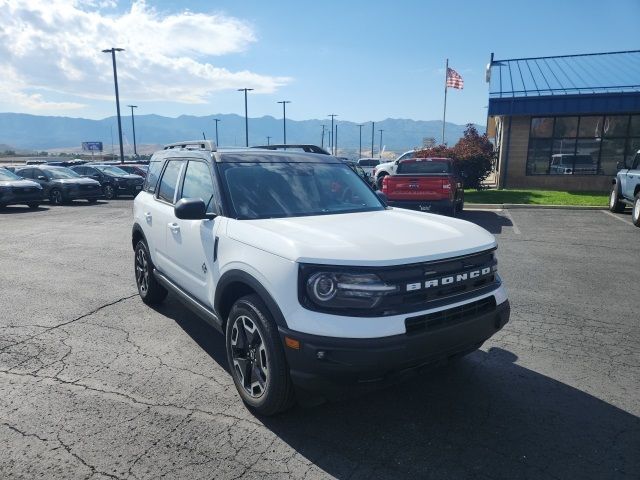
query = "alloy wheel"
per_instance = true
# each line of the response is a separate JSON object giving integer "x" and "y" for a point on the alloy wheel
{"x": 249, "y": 356}
{"x": 108, "y": 192}
{"x": 612, "y": 198}
{"x": 142, "y": 271}
{"x": 636, "y": 211}
{"x": 56, "y": 197}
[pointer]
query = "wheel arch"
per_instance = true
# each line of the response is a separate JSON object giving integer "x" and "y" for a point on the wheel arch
{"x": 636, "y": 191}
{"x": 235, "y": 284}
{"x": 136, "y": 235}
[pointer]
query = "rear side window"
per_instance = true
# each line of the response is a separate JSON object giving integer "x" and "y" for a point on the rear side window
{"x": 152, "y": 176}
{"x": 424, "y": 167}
{"x": 25, "y": 173}
{"x": 169, "y": 181}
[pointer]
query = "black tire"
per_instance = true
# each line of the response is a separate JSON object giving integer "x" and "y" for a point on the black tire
{"x": 151, "y": 292}
{"x": 635, "y": 213}
{"x": 56, "y": 197}
{"x": 109, "y": 192}
{"x": 615, "y": 205}
{"x": 255, "y": 353}
{"x": 33, "y": 206}
{"x": 380, "y": 179}
{"x": 92, "y": 200}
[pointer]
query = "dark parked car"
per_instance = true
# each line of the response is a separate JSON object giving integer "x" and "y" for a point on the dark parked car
{"x": 62, "y": 184}
{"x": 135, "y": 169}
{"x": 15, "y": 190}
{"x": 114, "y": 180}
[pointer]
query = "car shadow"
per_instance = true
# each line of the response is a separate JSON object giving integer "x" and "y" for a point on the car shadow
{"x": 82, "y": 203}
{"x": 18, "y": 209}
{"x": 483, "y": 416}
{"x": 487, "y": 219}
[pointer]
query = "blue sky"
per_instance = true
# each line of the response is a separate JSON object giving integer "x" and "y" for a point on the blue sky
{"x": 362, "y": 60}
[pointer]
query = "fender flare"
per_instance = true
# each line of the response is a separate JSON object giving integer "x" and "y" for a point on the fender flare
{"x": 136, "y": 230}
{"x": 238, "y": 276}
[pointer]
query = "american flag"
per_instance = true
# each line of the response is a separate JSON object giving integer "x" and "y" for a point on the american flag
{"x": 454, "y": 80}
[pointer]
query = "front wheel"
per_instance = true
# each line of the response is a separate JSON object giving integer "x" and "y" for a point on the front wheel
{"x": 256, "y": 357}
{"x": 109, "y": 192}
{"x": 55, "y": 197}
{"x": 151, "y": 292}
{"x": 615, "y": 205}
{"x": 635, "y": 214}
{"x": 380, "y": 179}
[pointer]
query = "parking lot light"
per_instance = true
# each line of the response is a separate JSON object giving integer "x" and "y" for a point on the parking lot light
{"x": 284, "y": 119}
{"x": 246, "y": 118}
{"x": 113, "y": 51}
{"x": 133, "y": 124}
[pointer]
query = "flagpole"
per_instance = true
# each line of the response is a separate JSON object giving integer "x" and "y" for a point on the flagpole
{"x": 444, "y": 113}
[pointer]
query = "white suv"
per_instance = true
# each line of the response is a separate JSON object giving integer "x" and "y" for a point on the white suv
{"x": 314, "y": 281}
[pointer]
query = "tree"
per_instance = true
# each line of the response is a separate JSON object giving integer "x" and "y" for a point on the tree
{"x": 473, "y": 156}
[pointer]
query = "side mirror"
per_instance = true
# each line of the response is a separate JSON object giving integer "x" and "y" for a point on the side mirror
{"x": 382, "y": 197}
{"x": 42, "y": 177}
{"x": 192, "y": 209}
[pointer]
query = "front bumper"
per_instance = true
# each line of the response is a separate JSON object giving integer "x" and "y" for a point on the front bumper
{"x": 129, "y": 189}
{"x": 22, "y": 199}
{"x": 82, "y": 193}
{"x": 424, "y": 205}
{"x": 329, "y": 363}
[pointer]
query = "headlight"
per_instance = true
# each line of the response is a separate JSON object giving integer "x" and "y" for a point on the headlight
{"x": 336, "y": 290}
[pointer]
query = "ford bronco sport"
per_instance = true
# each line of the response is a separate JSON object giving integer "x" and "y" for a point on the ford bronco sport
{"x": 313, "y": 280}
{"x": 626, "y": 189}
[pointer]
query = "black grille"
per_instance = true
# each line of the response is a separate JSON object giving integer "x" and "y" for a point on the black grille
{"x": 451, "y": 316}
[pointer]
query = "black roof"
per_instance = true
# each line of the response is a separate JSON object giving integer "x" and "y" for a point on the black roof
{"x": 251, "y": 155}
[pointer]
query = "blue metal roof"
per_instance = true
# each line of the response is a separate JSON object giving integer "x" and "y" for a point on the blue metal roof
{"x": 566, "y": 84}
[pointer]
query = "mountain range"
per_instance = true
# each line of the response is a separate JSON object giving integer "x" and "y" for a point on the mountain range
{"x": 24, "y": 131}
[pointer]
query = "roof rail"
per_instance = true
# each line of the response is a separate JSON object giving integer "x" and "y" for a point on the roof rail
{"x": 206, "y": 145}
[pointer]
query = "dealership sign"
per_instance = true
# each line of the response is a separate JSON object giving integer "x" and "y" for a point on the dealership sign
{"x": 92, "y": 146}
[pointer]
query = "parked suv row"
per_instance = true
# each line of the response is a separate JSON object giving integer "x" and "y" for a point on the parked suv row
{"x": 61, "y": 184}
{"x": 626, "y": 189}
{"x": 113, "y": 180}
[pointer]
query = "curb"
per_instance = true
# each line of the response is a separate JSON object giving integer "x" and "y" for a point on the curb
{"x": 499, "y": 206}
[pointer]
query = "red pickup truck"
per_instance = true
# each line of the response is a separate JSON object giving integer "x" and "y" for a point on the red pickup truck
{"x": 426, "y": 184}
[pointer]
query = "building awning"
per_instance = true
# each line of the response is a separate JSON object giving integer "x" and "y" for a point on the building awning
{"x": 569, "y": 84}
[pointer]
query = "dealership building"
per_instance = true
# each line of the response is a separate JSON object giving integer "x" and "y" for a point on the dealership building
{"x": 565, "y": 122}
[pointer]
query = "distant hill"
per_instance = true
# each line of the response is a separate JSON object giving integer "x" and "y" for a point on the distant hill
{"x": 23, "y": 131}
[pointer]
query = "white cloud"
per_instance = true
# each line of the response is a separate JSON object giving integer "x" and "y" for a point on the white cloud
{"x": 52, "y": 49}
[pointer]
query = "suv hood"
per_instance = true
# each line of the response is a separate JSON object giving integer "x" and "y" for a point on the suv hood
{"x": 76, "y": 181}
{"x": 388, "y": 237}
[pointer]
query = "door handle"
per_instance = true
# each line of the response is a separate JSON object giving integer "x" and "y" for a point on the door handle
{"x": 174, "y": 227}
{"x": 148, "y": 216}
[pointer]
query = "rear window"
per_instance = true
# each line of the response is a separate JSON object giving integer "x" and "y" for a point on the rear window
{"x": 368, "y": 163}
{"x": 424, "y": 167}
{"x": 152, "y": 177}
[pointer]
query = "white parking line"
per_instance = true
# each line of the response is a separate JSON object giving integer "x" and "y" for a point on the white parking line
{"x": 516, "y": 230}
{"x": 618, "y": 218}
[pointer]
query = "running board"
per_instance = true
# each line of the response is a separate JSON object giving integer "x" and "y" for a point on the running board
{"x": 198, "y": 308}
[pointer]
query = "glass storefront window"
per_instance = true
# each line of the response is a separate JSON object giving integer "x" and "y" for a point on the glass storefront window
{"x": 634, "y": 130}
{"x": 612, "y": 153}
{"x": 616, "y": 125}
{"x": 590, "y": 127}
{"x": 539, "y": 154}
{"x": 542, "y": 127}
{"x": 588, "y": 145}
{"x": 566, "y": 127}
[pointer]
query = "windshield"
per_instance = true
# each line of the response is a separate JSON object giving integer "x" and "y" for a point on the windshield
{"x": 7, "y": 175}
{"x": 424, "y": 166}
{"x": 60, "y": 172}
{"x": 112, "y": 170}
{"x": 271, "y": 190}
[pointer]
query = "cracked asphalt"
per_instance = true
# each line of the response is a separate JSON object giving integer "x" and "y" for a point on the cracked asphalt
{"x": 95, "y": 385}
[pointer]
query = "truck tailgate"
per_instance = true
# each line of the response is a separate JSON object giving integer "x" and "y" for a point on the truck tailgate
{"x": 409, "y": 187}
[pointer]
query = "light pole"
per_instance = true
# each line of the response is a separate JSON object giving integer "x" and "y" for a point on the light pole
{"x": 268, "y": 140}
{"x": 113, "y": 51}
{"x": 284, "y": 119}
{"x": 216, "y": 120}
{"x": 380, "y": 148}
{"x": 133, "y": 124}
{"x": 335, "y": 141}
{"x": 373, "y": 133}
{"x": 322, "y": 139}
{"x": 246, "y": 118}
{"x": 360, "y": 125}
{"x": 332, "y": 115}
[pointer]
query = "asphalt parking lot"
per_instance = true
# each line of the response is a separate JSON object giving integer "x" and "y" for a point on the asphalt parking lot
{"x": 94, "y": 384}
